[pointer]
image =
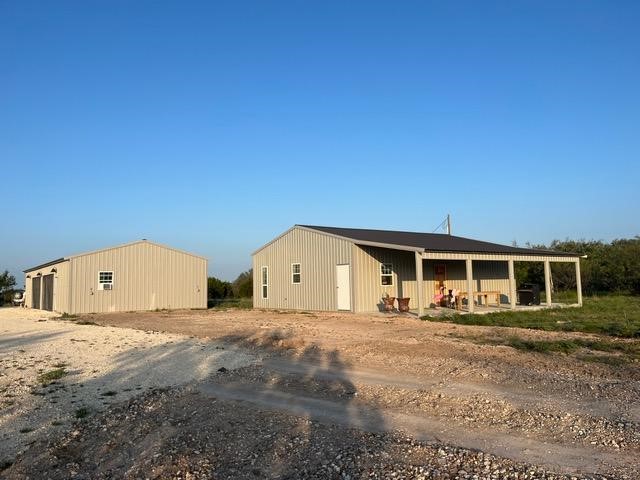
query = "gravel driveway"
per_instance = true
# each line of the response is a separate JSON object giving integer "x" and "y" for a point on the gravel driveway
{"x": 307, "y": 395}
{"x": 96, "y": 366}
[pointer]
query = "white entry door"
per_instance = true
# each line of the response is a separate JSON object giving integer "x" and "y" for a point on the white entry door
{"x": 343, "y": 278}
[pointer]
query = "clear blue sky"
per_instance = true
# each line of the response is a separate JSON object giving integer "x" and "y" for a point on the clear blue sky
{"x": 214, "y": 126}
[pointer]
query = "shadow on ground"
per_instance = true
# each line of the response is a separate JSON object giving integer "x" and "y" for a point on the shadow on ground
{"x": 249, "y": 422}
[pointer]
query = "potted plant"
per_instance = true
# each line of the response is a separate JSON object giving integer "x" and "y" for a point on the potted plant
{"x": 403, "y": 304}
{"x": 388, "y": 302}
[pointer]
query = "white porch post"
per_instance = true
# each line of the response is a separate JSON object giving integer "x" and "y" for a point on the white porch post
{"x": 547, "y": 281}
{"x": 420, "y": 283}
{"x": 470, "y": 299}
{"x": 512, "y": 285}
{"x": 578, "y": 282}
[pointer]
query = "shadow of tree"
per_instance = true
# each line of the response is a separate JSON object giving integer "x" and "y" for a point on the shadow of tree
{"x": 308, "y": 389}
{"x": 12, "y": 342}
{"x": 32, "y": 409}
{"x": 290, "y": 418}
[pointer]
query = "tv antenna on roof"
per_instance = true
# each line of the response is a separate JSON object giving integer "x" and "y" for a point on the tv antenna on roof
{"x": 444, "y": 225}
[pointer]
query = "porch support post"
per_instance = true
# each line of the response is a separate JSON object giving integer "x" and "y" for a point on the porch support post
{"x": 470, "y": 299}
{"x": 512, "y": 285}
{"x": 420, "y": 283}
{"x": 578, "y": 282}
{"x": 547, "y": 281}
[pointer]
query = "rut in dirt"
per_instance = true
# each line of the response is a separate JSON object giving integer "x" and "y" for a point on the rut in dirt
{"x": 344, "y": 412}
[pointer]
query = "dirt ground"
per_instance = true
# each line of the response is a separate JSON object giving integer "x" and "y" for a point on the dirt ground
{"x": 98, "y": 366}
{"x": 357, "y": 396}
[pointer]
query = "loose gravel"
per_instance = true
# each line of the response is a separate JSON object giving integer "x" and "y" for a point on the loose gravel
{"x": 180, "y": 434}
{"x": 99, "y": 365}
{"x": 313, "y": 395}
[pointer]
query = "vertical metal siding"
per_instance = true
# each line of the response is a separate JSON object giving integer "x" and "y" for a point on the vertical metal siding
{"x": 369, "y": 290}
{"x": 145, "y": 277}
{"x": 318, "y": 256}
{"x": 60, "y": 286}
{"x": 488, "y": 276}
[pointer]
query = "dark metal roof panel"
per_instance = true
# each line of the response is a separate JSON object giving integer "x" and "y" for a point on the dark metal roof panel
{"x": 437, "y": 242}
{"x": 38, "y": 267}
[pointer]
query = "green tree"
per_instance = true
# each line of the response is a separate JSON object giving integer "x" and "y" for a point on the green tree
{"x": 243, "y": 285}
{"x": 7, "y": 282}
{"x": 608, "y": 267}
{"x": 218, "y": 289}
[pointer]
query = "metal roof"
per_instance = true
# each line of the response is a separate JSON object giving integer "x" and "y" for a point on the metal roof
{"x": 437, "y": 242}
{"x": 112, "y": 248}
{"x": 43, "y": 265}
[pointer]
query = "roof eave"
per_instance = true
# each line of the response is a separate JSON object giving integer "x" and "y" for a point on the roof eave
{"x": 47, "y": 264}
{"x": 535, "y": 253}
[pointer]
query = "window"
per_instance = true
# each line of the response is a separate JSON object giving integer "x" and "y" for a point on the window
{"x": 105, "y": 280}
{"x": 386, "y": 274}
{"x": 265, "y": 282}
{"x": 295, "y": 273}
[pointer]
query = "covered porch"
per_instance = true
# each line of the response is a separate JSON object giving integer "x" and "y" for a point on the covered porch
{"x": 479, "y": 296}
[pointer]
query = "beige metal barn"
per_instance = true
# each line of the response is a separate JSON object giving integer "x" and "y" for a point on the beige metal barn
{"x": 328, "y": 268}
{"x": 141, "y": 275}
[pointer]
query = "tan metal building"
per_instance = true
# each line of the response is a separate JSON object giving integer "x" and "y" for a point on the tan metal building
{"x": 141, "y": 275}
{"x": 328, "y": 268}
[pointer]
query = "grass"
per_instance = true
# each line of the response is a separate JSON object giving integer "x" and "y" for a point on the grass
{"x": 616, "y": 351}
{"x": 570, "y": 296}
{"x": 67, "y": 316}
{"x": 52, "y": 375}
{"x": 225, "y": 303}
{"x": 86, "y": 322}
{"x": 613, "y": 315}
{"x": 81, "y": 412}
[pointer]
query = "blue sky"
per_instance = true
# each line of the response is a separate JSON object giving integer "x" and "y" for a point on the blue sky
{"x": 215, "y": 126}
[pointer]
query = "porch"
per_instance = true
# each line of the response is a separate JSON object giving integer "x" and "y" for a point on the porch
{"x": 477, "y": 297}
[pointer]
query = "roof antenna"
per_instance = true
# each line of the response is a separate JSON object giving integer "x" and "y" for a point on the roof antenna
{"x": 445, "y": 224}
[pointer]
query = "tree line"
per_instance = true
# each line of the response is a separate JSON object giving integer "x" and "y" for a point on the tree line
{"x": 612, "y": 267}
{"x": 241, "y": 287}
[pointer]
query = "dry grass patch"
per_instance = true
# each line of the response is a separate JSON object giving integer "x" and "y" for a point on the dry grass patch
{"x": 51, "y": 376}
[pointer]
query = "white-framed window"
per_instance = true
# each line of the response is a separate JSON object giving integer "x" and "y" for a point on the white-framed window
{"x": 265, "y": 282}
{"x": 295, "y": 273}
{"x": 105, "y": 280}
{"x": 386, "y": 274}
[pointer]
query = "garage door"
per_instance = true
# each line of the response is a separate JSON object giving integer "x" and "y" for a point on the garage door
{"x": 35, "y": 292}
{"x": 47, "y": 292}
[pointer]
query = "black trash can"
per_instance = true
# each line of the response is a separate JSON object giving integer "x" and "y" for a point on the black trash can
{"x": 529, "y": 294}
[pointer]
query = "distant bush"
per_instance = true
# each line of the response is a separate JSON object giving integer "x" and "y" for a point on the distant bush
{"x": 217, "y": 288}
{"x": 243, "y": 285}
{"x": 609, "y": 267}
